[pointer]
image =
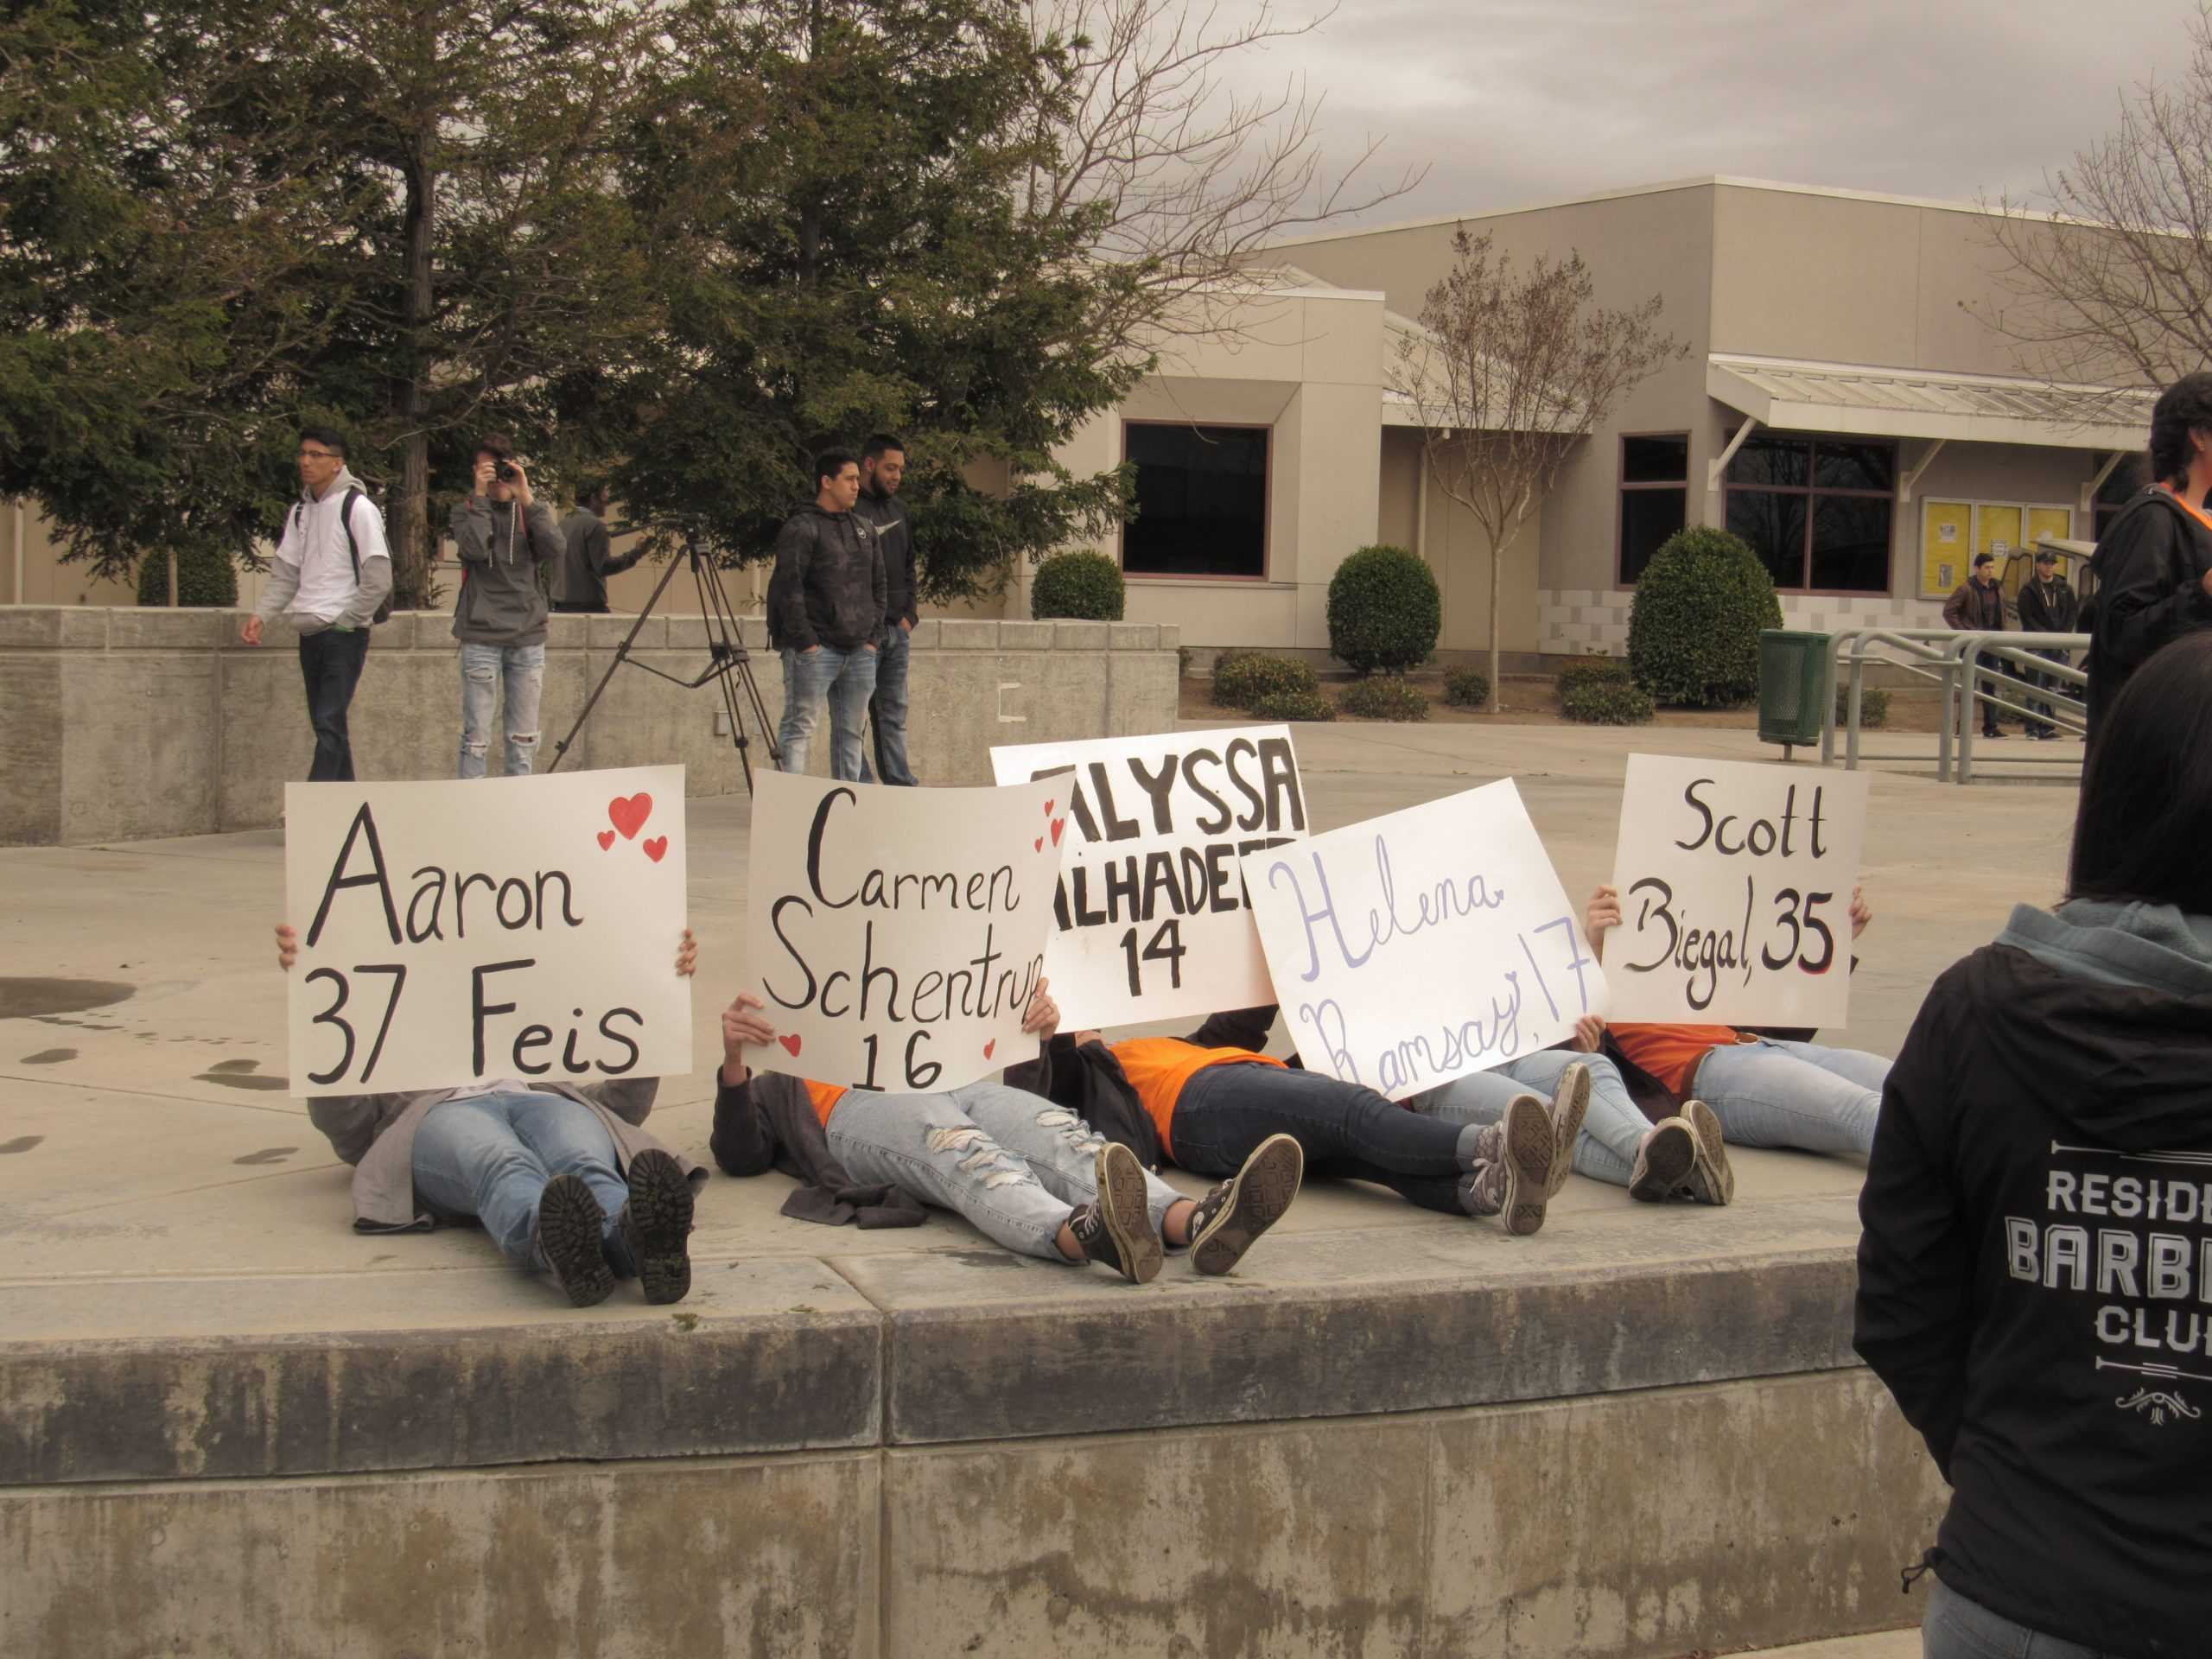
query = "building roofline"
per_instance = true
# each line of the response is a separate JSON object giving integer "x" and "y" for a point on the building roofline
{"x": 1701, "y": 182}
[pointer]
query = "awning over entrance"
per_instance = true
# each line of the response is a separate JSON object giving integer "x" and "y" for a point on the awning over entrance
{"x": 1850, "y": 397}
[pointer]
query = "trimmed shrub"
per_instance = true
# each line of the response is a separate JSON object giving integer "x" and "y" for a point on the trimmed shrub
{"x": 1466, "y": 688}
{"x": 1593, "y": 670}
{"x": 1693, "y": 629}
{"x": 1384, "y": 610}
{"x": 1873, "y": 707}
{"x": 1291, "y": 704}
{"x": 205, "y": 577}
{"x": 1606, "y": 703}
{"x": 1086, "y": 587}
{"x": 1241, "y": 678}
{"x": 1384, "y": 696}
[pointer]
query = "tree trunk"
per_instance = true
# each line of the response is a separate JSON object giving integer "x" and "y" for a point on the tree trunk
{"x": 411, "y": 539}
{"x": 172, "y": 564}
{"x": 1496, "y": 597}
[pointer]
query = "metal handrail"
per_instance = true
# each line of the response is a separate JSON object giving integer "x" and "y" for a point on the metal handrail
{"x": 1958, "y": 662}
{"x": 1974, "y": 645}
{"x": 1919, "y": 642}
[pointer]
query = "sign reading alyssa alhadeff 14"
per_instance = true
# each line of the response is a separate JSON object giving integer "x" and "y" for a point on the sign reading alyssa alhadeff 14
{"x": 1424, "y": 946}
{"x": 1151, "y": 909}
{"x": 1735, "y": 881}
{"x": 896, "y": 934}
{"x": 507, "y": 927}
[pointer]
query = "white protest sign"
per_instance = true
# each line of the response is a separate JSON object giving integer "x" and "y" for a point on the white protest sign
{"x": 1735, "y": 881}
{"x": 1152, "y": 914}
{"x": 896, "y": 934}
{"x": 504, "y": 927}
{"x": 1423, "y": 945}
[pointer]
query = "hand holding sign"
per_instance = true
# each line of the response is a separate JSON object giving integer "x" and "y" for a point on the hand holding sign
{"x": 1736, "y": 882}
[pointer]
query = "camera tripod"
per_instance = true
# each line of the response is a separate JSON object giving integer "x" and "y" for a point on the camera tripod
{"x": 729, "y": 664}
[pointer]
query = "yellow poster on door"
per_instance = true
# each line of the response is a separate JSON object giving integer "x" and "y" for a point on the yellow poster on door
{"x": 1997, "y": 530}
{"x": 2049, "y": 521}
{"x": 1944, "y": 529}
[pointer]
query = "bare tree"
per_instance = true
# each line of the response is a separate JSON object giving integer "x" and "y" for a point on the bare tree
{"x": 1183, "y": 179}
{"x": 1509, "y": 371}
{"x": 2113, "y": 269}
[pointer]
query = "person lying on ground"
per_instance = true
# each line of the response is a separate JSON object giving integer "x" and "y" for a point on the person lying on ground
{"x": 1026, "y": 1174}
{"x": 1214, "y": 1099}
{"x": 560, "y": 1175}
{"x": 1765, "y": 1091}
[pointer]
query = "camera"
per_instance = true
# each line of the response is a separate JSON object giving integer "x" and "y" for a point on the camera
{"x": 507, "y": 473}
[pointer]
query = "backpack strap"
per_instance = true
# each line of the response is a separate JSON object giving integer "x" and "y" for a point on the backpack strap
{"x": 346, "y": 522}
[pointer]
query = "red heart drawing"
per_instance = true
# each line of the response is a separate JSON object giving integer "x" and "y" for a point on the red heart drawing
{"x": 606, "y": 839}
{"x": 1048, "y": 808}
{"x": 1038, "y": 843}
{"x": 629, "y": 817}
{"x": 1058, "y": 824}
{"x": 989, "y": 1047}
{"x": 791, "y": 1044}
{"x": 655, "y": 848}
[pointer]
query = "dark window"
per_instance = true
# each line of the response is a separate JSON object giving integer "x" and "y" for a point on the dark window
{"x": 1817, "y": 511}
{"x": 1655, "y": 496}
{"x": 1202, "y": 501}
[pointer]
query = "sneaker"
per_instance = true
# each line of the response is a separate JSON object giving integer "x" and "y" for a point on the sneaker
{"x": 1115, "y": 1228}
{"x": 1665, "y": 1157}
{"x": 1513, "y": 1168}
{"x": 1230, "y": 1218}
{"x": 570, "y": 1229}
{"x": 1570, "y": 1105}
{"x": 1711, "y": 1181}
{"x": 656, "y": 1224}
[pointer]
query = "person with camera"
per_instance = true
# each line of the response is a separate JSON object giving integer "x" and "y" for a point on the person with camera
{"x": 330, "y": 574}
{"x": 504, "y": 533}
{"x": 826, "y": 604}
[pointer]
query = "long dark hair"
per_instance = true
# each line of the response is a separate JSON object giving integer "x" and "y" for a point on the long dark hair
{"x": 2183, "y": 408}
{"x": 2144, "y": 828}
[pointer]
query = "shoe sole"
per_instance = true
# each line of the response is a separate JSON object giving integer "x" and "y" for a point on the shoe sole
{"x": 1258, "y": 1194}
{"x": 1570, "y": 1105}
{"x": 658, "y": 1232}
{"x": 570, "y": 1230}
{"x": 1664, "y": 1162}
{"x": 1713, "y": 1166}
{"x": 1528, "y": 1160}
{"x": 1122, "y": 1207}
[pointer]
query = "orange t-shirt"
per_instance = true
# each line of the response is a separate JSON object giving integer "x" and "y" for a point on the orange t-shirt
{"x": 1158, "y": 1067}
{"x": 1671, "y": 1053}
{"x": 825, "y": 1096}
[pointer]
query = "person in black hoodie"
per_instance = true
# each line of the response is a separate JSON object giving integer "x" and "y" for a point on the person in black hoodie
{"x": 825, "y": 615}
{"x": 2035, "y": 1274}
{"x": 2048, "y": 605}
{"x": 2154, "y": 562}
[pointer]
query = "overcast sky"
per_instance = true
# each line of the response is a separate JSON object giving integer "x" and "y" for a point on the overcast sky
{"x": 1510, "y": 102}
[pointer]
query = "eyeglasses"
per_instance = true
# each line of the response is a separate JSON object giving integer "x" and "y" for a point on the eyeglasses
{"x": 319, "y": 455}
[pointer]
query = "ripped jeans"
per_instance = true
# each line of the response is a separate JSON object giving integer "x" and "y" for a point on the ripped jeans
{"x": 1013, "y": 1164}
{"x": 482, "y": 668}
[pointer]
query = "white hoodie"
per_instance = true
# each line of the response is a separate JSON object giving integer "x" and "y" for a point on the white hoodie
{"x": 311, "y": 575}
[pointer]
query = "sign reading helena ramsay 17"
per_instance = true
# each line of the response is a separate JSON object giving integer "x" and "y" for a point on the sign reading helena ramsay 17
{"x": 1151, "y": 909}
{"x": 507, "y": 927}
{"x": 1735, "y": 884}
{"x": 896, "y": 934}
{"x": 1424, "y": 946}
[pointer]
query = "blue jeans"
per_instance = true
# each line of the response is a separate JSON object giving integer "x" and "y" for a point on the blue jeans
{"x": 1013, "y": 1164}
{"x": 523, "y": 668}
{"x": 488, "y": 1158}
{"x": 1957, "y": 1628}
{"x": 330, "y": 663}
{"x": 886, "y": 713}
{"x": 1604, "y": 1151}
{"x": 1771, "y": 1094}
{"x": 843, "y": 679}
{"x": 1346, "y": 1130}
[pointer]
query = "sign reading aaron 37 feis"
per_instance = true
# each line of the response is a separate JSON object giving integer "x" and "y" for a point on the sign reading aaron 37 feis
{"x": 508, "y": 927}
{"x": 1151, "y": 908}
{"x": 895, "y": 935}
{"x": 1424, "y": 946}
{"x": 1735, "y": 883}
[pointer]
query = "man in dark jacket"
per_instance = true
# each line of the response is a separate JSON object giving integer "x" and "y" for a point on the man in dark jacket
{"x": 883, "y": 463}
{"x": 825, "y": 614}
{"x": 587, "y": 558}
{"x": 503, "y": 534}
{"x": 1978, "y": 606}
{"x": 2048, "y": 605}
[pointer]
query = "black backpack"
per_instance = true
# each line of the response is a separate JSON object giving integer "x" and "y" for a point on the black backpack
{"x": 352, "y": 547}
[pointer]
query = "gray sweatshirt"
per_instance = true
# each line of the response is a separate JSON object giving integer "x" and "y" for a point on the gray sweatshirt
{"x": 501, "y": 547}
{"x": 311, "y": 579}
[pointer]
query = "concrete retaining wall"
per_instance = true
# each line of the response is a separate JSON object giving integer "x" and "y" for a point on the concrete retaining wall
{"x": 119, "y": 724}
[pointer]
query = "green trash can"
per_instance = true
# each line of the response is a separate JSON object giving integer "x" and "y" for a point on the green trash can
{"x": 1793, "y": 675}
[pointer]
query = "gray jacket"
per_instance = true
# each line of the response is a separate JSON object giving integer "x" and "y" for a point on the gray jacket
{"x": 376, "y": 1134}
{"x": 828, "y": 586}
{"x": 502, "y": 602}
{"x": 588, "y": 560}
